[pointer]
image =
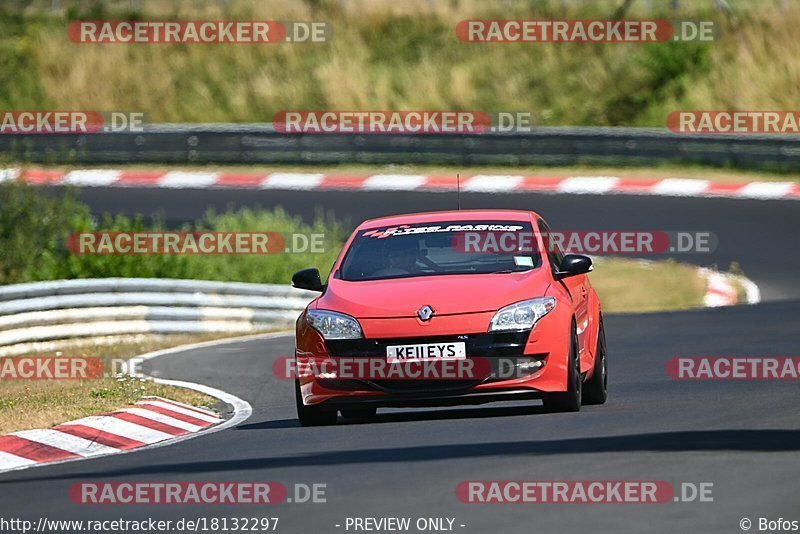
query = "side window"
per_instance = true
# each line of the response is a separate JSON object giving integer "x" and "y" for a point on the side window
{"x": 554, "y": 252}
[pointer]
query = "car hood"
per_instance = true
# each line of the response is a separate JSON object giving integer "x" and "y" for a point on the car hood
{"x": 446, "y": 294}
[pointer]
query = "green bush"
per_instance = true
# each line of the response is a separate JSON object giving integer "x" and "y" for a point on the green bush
{"x": 66, "y": 264}
{"x": 277, "y": 268}
{"x": 34, "y": 228}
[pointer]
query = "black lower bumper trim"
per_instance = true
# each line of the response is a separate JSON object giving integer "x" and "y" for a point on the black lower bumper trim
{"x": 432, "y": 399}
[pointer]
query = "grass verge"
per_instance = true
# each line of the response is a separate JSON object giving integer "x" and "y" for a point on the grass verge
{"x": 632, "y": 286}
{"x": 28, "y": 404}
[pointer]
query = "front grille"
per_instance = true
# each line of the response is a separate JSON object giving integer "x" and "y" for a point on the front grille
{"x": 491, "y": 346}
{"x": 488, "y": 345}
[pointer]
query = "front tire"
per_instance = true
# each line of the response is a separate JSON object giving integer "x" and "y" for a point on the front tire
{"x": 595, "y": 391}
{"x": 570, "y": 400}
{"x": 312, "y": 415}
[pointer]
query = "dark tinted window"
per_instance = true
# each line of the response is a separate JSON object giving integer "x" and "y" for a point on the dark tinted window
{"x": 554, "y": 252}
{"x": 463, "y": 247}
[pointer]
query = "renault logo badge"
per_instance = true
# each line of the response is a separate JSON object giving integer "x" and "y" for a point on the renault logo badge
{"x": 425, "y": 312}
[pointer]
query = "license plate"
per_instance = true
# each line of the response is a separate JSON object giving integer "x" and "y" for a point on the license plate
{"x": 427, "y": 351}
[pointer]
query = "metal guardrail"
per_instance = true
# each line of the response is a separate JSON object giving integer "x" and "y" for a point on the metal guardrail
{"x": 261, "y": 143}
{"x": 64, "y": 309}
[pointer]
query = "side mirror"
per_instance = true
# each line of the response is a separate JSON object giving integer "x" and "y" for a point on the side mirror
{"x": 308, "y": 279}
{"x": 574, "y": 264}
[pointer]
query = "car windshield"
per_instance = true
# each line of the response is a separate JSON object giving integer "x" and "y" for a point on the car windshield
{"x": 463, "y": 247}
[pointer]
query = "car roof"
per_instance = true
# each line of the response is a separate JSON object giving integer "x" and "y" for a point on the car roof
{"x": 452, "y": 215}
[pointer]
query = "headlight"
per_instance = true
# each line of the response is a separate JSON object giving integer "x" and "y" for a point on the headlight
{"x": 333, "y": 325}
{"x": 522, "y": 315}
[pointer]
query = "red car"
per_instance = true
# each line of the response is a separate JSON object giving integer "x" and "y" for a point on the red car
{"x": 444, "y": 308}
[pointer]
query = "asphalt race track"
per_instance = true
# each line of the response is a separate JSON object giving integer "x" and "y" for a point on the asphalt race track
{"x": 742, "y": 436}
{"x": 761, "y": 235}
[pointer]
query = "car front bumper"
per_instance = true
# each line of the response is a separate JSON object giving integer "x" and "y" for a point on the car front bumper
{"x": 497, "y": 373}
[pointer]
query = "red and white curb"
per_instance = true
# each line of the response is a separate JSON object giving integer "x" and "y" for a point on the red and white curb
{"x": 721, "y": 289}
{"x": 480, "y": 183}
{"x": 151, "y": 420}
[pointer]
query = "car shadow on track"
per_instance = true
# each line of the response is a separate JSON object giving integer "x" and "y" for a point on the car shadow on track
{"x": 684, "y": 441}
{"x": 411, "y": 416}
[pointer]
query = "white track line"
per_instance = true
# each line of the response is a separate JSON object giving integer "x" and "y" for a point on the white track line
{"x": 125, "y": 429}
{"x": 241, "y": 408}
{"x": 8, "y": 174}
{"x": 765, "y": 190}
{"x": 751, "y": 289}
{"x": 292, "y": 180}
{"x": 485, "y": 183}
{"x": 210, "y": 413}
{"x": 394, "y": 182}
{"x": 66, "y": 442}
{"x": 92, "y": 177}
{"x": 588, "y": 184}
{"x": 180, "y": 410}
{"x": 182, "y": 179}
{"x": 164, "y": 419}
{"x": 721, "y": 289}
{"x": 15, "y": 462}
{"x": 680, "y": 187}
